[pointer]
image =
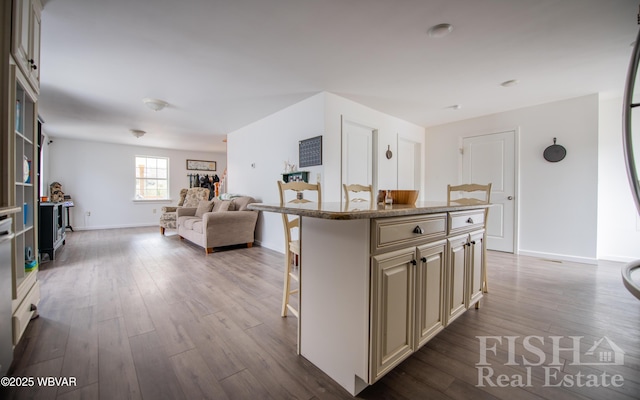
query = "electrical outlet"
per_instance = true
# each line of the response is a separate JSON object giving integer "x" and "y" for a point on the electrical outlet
{"x": 154, "y": 210}
{"x": 88, "y": 213}
{"x": 318, "y": 177}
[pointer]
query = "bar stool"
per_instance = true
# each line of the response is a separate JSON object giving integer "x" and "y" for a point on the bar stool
{"x": 292, "y": 246}
{"x": 355, "y": 188}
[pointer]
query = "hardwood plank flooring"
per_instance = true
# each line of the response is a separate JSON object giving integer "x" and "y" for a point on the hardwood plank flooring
{"x": 130, "y": 313}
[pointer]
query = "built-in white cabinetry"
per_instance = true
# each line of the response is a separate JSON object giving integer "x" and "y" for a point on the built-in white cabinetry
{"x": 25, "y": 44}
{"x": 416, "y": 291}
{"x": 21, "y": 151}
{"x": 24, "y": 156}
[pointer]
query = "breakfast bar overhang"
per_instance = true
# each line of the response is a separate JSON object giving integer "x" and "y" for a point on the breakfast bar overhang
{"x": 376, "y": 283}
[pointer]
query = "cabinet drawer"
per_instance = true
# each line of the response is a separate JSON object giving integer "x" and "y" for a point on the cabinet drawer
{"x": 24, "y": 312}
{"x": 463, "y": 221}
{"x": 392, "y": 233}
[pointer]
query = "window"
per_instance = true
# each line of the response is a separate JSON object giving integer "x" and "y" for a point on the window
{"x": 152, "y": 178}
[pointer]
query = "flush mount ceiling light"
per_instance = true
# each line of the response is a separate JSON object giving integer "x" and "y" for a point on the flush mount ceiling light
{"x": 137, "y": 132}
{"x": 440, "y": 30}
{"x": 154, "y": 104}
{"x": 509, "y": 83}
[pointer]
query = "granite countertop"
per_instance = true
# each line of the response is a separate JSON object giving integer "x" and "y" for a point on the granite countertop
{"x": 354, "y": 210}
{"x": 8, "y": 210}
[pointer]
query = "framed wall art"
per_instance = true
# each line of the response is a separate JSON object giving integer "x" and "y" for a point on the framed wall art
{"x": 200, "y": 165}
{"x": 310, "y": 152}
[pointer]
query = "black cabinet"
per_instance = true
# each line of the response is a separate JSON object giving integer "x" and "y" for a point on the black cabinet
{"x": 53, "y": 222}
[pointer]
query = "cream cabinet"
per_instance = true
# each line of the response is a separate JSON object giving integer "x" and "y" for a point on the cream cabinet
{"x": 387, "y": 285}
{"x": 392, "y": 310}
{"x": 476, "y": 265}
{"x": 407, "y": 303}
{"x": 25, "y": 44}
{"x": 430, "y": 288}
{"x": 456, "y": 274}
{"x": 418, "y": 290}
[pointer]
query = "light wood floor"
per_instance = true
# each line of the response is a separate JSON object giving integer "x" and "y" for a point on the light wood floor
{"x": 132, "y": 314}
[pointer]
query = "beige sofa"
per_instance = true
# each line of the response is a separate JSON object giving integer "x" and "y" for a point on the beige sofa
{"x": 218, "y": 223}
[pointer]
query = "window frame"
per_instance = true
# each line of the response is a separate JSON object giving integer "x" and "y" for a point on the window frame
{"x": 137, "y": 196}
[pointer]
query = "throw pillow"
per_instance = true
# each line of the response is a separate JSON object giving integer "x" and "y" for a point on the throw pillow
{"x": 203, "y": 207}
{"x": 222, "y": 205}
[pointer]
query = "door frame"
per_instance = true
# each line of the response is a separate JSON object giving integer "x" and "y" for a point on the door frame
{"x": 516, "y": 174}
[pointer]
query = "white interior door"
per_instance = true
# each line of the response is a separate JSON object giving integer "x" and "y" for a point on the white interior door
{"x": 409, "y": 161}
{"x": 491, "y": 159}
{"x": 357, "y": 154}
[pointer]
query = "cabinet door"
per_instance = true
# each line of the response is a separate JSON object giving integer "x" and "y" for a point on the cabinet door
{"x": 430, "y": 291}
{"x": 34, "y": 44}
{"x": 20, "y": 33}
{"x": 457, "y": 297}
{"x": 26, "y": 38}
{"x": 392, "y": 311}
{"x": 476, "y": 266}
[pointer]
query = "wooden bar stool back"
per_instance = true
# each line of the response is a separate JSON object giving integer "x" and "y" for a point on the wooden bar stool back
{"x": 292, "y": 244}
{"x": 355, "y": 188}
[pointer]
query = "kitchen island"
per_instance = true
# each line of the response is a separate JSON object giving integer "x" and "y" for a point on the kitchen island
{"x": 377, "y": 282}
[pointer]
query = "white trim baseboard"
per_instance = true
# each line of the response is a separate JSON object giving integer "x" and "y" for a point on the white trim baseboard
{"x": 559, "y": 257}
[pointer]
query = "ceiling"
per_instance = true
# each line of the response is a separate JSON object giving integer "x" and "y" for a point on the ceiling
{"x": 223, "y": 64}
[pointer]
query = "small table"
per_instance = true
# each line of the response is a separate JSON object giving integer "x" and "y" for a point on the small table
{"x": 67, "y": 205}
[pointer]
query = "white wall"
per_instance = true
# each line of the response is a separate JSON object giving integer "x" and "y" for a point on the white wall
{"x": 618, "y": 222}
{"x": 271, "y": 141}
{"x": 100, "y": 179}
{"x": 256, "y": 154}
{"x": 557, "y": 201}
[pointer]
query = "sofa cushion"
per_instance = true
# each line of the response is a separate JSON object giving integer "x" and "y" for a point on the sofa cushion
{"x": 222, "y": 205}
{"x": 203, "y": 207}
{"x": 189, "y": 222}
{"x": 197, "y": 226}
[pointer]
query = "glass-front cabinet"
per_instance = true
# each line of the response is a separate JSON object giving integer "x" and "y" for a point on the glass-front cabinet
{"x": 24, "y": 167}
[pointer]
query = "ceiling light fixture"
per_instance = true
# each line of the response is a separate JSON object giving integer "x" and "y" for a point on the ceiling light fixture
{"x": 440, "y": 30}
{"x": 509, "y": 83}
{"x": 154, "y": 104}
{"x": 137, "y": 132}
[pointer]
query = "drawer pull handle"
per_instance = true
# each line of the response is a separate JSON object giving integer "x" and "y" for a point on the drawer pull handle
{"x": 470, "y": 220}
{"x": 423, "y": 259}
{"x": 418, "y": 230}
{"x": 414, "y": 262}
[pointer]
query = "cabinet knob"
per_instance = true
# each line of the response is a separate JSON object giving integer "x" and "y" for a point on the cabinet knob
{"x": 34, "y": 67}
{"x": 470, "y": 220}
{"x": 418, "y": 229}
{"x": 473, "y": 242}
{"x": 423, "y": 259}
{"x": 414, "y": 262}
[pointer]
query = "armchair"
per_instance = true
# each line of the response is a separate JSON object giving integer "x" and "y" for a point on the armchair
{"x": 188, "y": 198}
